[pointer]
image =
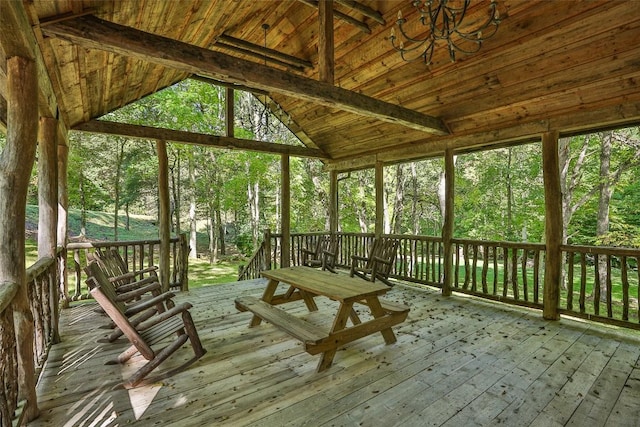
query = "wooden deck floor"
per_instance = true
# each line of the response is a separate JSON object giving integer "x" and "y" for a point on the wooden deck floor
{"x": 457, "y": 362}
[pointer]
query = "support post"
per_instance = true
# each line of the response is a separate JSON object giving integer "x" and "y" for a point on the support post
{"x": 48, "y": 208}
{"x": 285, "y": 211}
{"x": 447, "y": 226}
{"x": 325, "y": 42}
{"x": 164, "y": 219}
{"x": 16, "y": 163}
{"x": 63, "y": 216}
{"x": 379, "y": 182}
{"x": 229, "y": 112}
{"x": 553, "y": 225}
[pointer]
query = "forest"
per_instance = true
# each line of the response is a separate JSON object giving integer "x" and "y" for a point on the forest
{"x": 232, "y": 196}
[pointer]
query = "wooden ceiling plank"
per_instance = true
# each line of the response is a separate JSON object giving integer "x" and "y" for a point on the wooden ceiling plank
{"x": 399, "y": 82}
{"x": 146, "y": 132}
{"x": 95, "y": 33}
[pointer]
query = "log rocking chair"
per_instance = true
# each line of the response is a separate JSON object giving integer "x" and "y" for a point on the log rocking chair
{"x": 146, "y": 336}
{"x": 323, "y": 255}
{"x": 379, "y": 263}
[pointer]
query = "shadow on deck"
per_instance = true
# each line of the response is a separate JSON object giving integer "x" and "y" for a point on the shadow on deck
{"x": 458, "y": 361}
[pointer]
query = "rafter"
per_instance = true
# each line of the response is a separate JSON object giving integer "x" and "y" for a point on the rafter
{"x": 147, "y": 132}
{"x": 364, "y": 9}
{"x": 258, "y": 51}
{"x": 342, "y": 16}
{"x": 94, "y": 33}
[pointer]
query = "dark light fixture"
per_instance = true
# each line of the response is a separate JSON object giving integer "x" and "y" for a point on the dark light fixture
{"x": 443, "y": 19}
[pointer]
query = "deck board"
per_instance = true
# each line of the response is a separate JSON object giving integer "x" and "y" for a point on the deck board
{"x": 458, "y": 361}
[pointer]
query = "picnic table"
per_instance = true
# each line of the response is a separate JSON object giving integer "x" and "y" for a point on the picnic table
{"x": 305, "y": 284}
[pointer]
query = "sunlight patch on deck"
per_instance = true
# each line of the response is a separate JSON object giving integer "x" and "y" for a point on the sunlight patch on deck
{"x": 141, "y": 397}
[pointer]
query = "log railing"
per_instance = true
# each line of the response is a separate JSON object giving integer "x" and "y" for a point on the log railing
{"x": 42, "y": 280}
{"x": 601, "y": 283}
{"x": 138, "y": 254}
{"x": 505, "y": 271}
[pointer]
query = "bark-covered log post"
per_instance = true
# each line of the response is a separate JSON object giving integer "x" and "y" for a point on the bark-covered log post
{"x": 63, "y": 215}
{"x": 285, "y": 211}
{"x": 553, "y": 225}
{"x": 447, "y": 228}
{"x": 48, "y": 208}
{"x": 379, "y": 183}
{"x": 16, "y": 163}
{"x": 164, "y": 219}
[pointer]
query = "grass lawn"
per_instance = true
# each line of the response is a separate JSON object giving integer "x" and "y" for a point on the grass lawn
{"x": 99, "y": 227}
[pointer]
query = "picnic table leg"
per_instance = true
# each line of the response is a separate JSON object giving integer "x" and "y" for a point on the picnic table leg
{"x": 267, "y": 296}
{"x": 377, "y": 311}
{"x": 308, "y": 300}
{"x": 339, "y": 324}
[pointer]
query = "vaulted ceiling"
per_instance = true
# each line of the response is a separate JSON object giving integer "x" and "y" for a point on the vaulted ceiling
{"x": 568, "y": 65}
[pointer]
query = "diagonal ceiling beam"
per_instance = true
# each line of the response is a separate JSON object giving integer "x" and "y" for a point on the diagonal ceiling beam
{"x": 147, "y": 132}
{"x": 94, "y": 33}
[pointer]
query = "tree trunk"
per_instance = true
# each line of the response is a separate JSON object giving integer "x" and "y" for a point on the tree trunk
{"x": 83, "y": 206}
{"x": 193, "y": 252}
{"x": 415, "y": 220}
{"x": 218, "y": 214}
{"x": 398, "y": 205}
{"x": 116, "y": 186}
{"x": 253, "y": 198}
{"x": 606, "y": 188}
{"x": 213, "y": 239}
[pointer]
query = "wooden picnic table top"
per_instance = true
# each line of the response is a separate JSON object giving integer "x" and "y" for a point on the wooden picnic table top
{"x": 339, "y": 287}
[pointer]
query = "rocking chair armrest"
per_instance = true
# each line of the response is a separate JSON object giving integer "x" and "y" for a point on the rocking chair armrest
{"x": 382, "y": 260}
{"x": 161, "y": 317}
{"x": 136, "y": 285}
{"x": 150, "y": 269}
{"x": 138, "y": 292}
{"x": 148, "y": 303}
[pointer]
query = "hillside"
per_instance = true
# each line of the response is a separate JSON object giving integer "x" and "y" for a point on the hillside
{"x": 141, "y": 227}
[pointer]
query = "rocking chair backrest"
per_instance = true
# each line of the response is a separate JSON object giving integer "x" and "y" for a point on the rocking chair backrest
{"x": 104, "y": 293}
{"x": 383, "y": 248}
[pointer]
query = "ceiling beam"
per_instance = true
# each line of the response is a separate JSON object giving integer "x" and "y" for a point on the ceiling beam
{"x": 91, "y": 32}
{"x": 147, "y": 132}
{"x": 613, "y": 117}
{"x": 326, "y": 62}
